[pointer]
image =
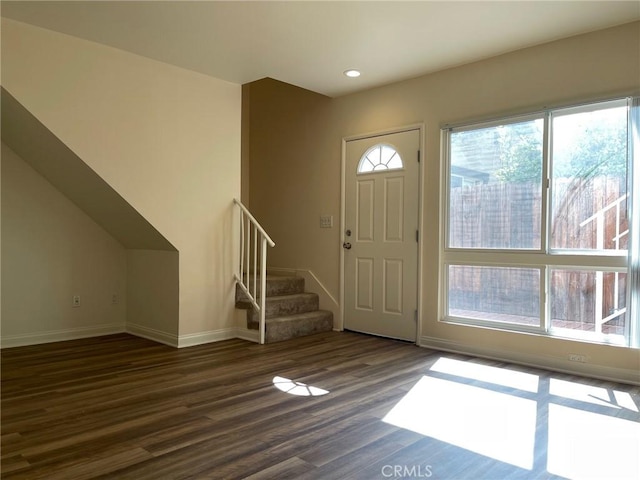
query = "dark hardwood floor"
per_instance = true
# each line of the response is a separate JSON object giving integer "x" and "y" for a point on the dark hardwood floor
{"x": 121, "y": 407}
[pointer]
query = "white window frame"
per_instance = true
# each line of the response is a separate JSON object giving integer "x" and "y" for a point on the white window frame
{"x": 543, "y": 258}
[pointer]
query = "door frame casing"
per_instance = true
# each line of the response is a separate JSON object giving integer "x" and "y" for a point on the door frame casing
{"x": 380, "y": 133}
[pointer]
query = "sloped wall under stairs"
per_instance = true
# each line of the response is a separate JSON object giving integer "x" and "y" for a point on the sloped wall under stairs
{"x": 167, "y": 141}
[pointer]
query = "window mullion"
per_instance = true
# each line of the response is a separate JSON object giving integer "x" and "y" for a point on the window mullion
{"x": 545, "y": 308}
{"x": 546, "y": 184}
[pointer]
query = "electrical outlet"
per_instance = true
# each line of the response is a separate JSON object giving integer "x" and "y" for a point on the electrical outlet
{"x": 326, "y": 221}
{"x": 575, "y": 357}
{"x": 114, "y": 299}
{"x": 76, "y": 300}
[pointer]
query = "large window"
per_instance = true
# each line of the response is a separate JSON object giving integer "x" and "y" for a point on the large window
{"x": 537, "y": 225}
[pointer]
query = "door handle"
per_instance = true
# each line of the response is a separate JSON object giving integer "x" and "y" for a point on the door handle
{"x": 346, "y": 246}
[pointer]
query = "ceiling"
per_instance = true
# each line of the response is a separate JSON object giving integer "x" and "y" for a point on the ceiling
{"x": 310, "y": 44}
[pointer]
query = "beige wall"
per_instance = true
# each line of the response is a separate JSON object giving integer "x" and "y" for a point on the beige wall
{"x": 292, "y": 176}
{"x": 245, "y": 156}
{"x": 152, "y": 294}
{"x": 165, "y": 138}
{"x": 51, "y": 251}
{"x": 295, "y": 151}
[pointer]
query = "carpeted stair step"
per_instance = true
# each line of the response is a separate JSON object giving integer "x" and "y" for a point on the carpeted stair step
{"x": 276, "y": 285}
{"x": 290, "y": 326}
{"x": 290, "y": 311}
{"x": 286, "y": 305}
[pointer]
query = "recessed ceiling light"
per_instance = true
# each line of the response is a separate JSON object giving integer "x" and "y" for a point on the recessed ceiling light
{"x": 352, "y": 73}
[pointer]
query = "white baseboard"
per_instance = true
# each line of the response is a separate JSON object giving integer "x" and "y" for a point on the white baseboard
{"x": 182, "y": 341}
{"x": 621, "y": 375}
{"x": 8, "y": 341}
{"x": 152, "y": 334}
{"x": 62, "y": 335}
{"x": 210, "y": 336}
{"x": 313, "y": 284}
{"x": 249, "y": 335}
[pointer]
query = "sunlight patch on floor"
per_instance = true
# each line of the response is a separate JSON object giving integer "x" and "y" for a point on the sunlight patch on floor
{"x": 498, "y": 376}
{"x": 490, "y": 423}
{"x": 297, "y": 388}
{"x": 590, "y": 445}
{"x": 592, "y": 394}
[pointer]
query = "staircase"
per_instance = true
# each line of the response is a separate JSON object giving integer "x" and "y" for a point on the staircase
{"x": 290, "y": 311}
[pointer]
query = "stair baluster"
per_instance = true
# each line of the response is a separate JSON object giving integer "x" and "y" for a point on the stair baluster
{"x": 253, "y": 229}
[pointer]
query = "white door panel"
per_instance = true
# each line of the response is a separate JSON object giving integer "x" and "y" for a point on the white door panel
{"x": 381, "y": 222}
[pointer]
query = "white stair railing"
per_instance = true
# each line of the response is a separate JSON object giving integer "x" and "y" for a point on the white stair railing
{"x": 255, "y": 288}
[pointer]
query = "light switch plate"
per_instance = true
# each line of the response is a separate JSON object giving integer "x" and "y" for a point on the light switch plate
{"x": 326, "y": 221}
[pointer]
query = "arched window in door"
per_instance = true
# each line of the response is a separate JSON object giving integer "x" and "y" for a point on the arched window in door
{"x": 380, "y": 157}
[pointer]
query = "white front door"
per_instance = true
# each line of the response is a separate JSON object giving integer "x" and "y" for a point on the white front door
{"x": 380, "y": 237}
